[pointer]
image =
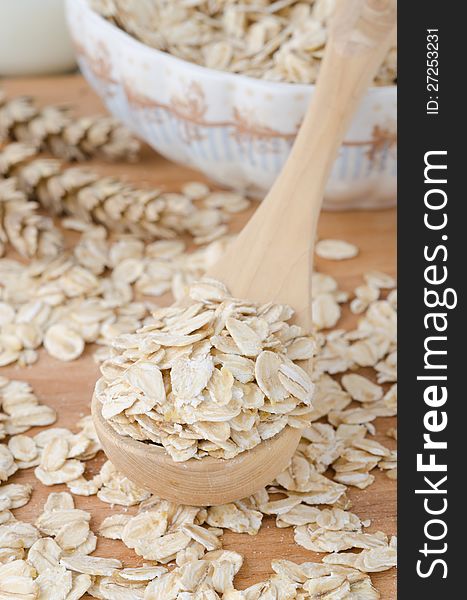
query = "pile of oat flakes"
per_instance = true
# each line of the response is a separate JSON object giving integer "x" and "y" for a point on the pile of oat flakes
{"x": 212, "y": 377}
{"x": 98, "y": 290}
{"x": 281, "y": 40}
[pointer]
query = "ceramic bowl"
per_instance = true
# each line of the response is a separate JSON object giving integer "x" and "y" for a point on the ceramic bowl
{"x": 235, "y": 129}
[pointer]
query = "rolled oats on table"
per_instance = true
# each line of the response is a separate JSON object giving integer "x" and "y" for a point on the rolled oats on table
{"x": 112, "y": 526}
{"x": 326, "y": 300}
{"x": 364, "y": 296}
{"x": 28, "y": 232}
{"x": 361, "y": 388}
{"x": 326, "y": 311}
{"x": 63, "y": 342}
{"x": 88, "y": 197}
{"x": 282, "y": 40}
{"x": 307, "y": 581}
{"x": 114, "y": 488}
{"x": 379, "y": 280}
{"x": 335, "y": 249}
{"x": 54, "y": 130}
{"x": 20, "y": 408}
{"x": 370, "y": 560}
{"x": 87, "y": 294}
{"x": 387, "y": 369}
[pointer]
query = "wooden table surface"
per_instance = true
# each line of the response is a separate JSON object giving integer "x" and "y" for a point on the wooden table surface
{"x": 67, "y": 386}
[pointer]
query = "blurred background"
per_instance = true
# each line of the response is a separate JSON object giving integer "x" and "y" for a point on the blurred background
{"x": 225, "y": 100}
{"x": 34, "y": 38}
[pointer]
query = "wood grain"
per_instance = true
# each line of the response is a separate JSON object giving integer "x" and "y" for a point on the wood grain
{"x": 68, "y": 386}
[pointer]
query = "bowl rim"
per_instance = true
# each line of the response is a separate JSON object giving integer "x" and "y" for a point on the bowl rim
{"x": 267, "y": 85}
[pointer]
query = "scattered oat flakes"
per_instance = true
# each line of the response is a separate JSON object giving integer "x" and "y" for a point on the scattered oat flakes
{"x": 325, "y": 311}
{"x": 361, "y": 388}
{"x": 63, "y": 343}
{"x": 370, "y": 560}
{"x": 379, "y": 280}
{"x": 335, "y": 249}
{"x": 91, "y": 565}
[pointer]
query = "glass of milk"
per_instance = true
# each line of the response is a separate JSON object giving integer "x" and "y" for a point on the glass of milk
{"x": 34, "y": 38}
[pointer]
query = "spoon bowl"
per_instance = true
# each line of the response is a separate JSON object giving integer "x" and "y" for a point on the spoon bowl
{"x": 197, "y": 482}
{"x": 271, "y": 259}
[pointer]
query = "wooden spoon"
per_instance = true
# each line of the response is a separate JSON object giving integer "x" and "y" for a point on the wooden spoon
{"x": 271, "y": 259}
